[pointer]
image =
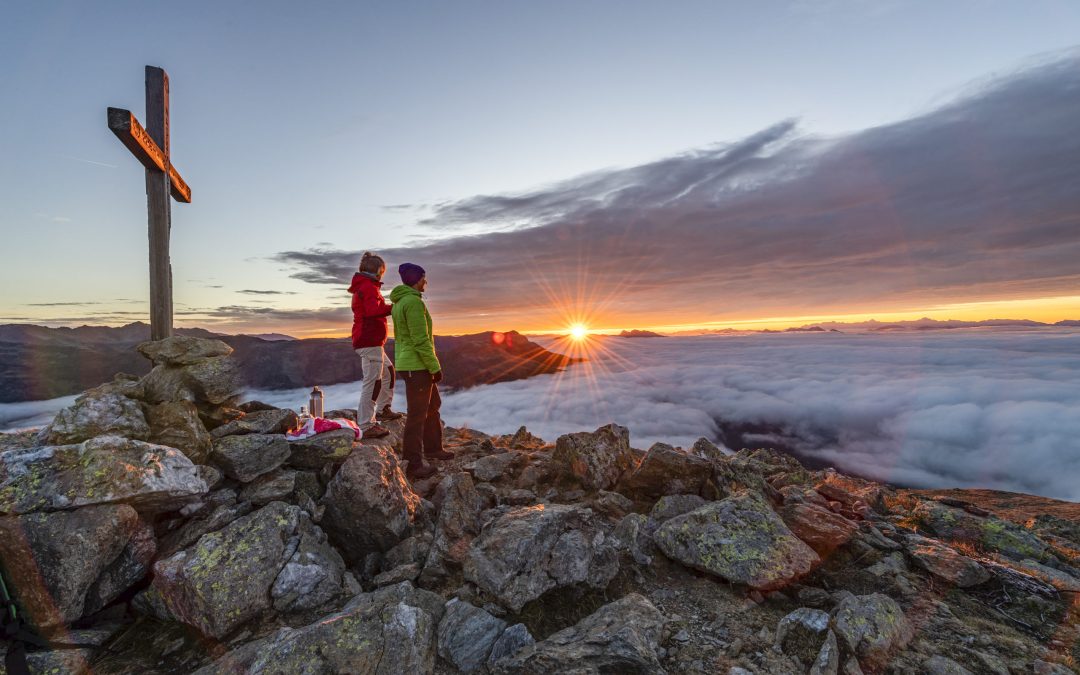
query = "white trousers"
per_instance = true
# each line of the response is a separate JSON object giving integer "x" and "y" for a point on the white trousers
{"x": 375, "y": 366}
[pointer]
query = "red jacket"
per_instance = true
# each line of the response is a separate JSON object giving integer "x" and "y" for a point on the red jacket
{"x": 369, "y": 312}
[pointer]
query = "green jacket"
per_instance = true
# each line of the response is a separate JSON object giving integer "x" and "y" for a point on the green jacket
{"x": 414, "y": 345}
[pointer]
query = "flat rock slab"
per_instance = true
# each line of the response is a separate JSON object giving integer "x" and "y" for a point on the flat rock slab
{"x": 620, "y": 637}
{"x": 739, "y": 539}
{"x": 274, "y": 421}
{"x": 529, "y": 551}
{"x": 182, "y": 350}
{"x": 986, "y": 533}
{"x": 103, "y": 470}
{"x": 329, "y": 447}
{"x": 945, "y": 562}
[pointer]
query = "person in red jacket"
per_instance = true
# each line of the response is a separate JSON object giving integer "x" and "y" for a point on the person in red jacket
{"x": 368, "y": 337}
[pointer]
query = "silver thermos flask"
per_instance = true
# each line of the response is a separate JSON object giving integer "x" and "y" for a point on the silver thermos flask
{"x": 315, "y": 405}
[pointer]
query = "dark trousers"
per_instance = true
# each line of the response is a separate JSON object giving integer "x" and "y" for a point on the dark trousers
{"x": 423, "y": 426}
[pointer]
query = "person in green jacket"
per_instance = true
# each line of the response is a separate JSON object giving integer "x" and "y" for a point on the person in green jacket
{"x": 417, "y": 364}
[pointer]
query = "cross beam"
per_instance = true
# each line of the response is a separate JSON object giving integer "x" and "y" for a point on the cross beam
{"x": 150, "y": 145}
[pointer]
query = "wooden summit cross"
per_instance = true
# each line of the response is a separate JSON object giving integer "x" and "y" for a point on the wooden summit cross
{"x": 150, "y": 146}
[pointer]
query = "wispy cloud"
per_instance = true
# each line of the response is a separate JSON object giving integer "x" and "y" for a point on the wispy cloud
{"x": 258, "y": 292}
{"x": 976, "y": 199}
{"x": 89, "y": 161}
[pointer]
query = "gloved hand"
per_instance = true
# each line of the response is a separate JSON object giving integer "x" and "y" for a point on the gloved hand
{"x": 436, "y": 377}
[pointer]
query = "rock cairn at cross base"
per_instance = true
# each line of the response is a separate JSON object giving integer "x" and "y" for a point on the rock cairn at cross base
{"x": 167, "y": 527}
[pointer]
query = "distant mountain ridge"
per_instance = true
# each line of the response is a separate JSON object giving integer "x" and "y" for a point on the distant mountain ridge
{"x": 924, "y": 323}
{"x": 37, "y": 362}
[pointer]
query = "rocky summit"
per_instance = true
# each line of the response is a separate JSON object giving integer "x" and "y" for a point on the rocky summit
{"x": 161, "y": 525}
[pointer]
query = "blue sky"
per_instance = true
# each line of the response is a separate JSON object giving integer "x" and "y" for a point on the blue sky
{"x": 304, "y": 126}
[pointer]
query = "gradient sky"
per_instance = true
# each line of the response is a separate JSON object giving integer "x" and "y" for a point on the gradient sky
{"x": 629, "y": 164}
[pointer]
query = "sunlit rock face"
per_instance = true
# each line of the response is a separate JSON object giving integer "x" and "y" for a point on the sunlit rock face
{"x": 597, "y": 459}
{"x": 370, "y": 506}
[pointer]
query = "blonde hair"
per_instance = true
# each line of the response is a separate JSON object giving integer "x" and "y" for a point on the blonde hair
{"x": 371, "y": 263}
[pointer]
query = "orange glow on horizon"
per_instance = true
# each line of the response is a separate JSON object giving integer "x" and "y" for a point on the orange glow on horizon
{"x": 589, "y": 313}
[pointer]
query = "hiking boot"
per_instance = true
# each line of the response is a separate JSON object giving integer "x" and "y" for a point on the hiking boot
{"x": 386, "y": 414}
{"x": 439, "y": 454}
{"x": 375, "y": 431}
{"x": 421, "y": 471}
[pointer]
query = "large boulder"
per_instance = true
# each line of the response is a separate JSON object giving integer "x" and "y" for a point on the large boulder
{"x": 822, "y": 529}
{"x": 370, "y": 506}
{"x": 177, "y": 425}
{"x": 620, "y": 637}
{"x": 245, "y": 458}
{"x": 51, "y": 560}
{"x": 739, "y": 539}
{"x": 457, "y": 525}
{"x": 597, "y": 459}
{"x": 274, "y": 557}
{"x": 945, "y": 562}
{"x": 98, "y": 412}
{"x": 211, "y": 381}
{"x": 329, "y": 447}
{"x": 388, "y": 632}
{"x": 529, "y": 551}
{"x": 103, "y": 470}
{"x": 467, "y": 634}
{"x": 181, "y": 350}
{"x": 667, "y": 471}
{"x": 871, "y": 627}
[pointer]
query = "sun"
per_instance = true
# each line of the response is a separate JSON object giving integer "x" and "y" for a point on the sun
{"x": 579, "y": 332}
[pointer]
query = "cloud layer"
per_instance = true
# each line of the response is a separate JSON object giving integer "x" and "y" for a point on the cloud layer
{"x": 994, "y": 408}
{"x": 971, "y": 201}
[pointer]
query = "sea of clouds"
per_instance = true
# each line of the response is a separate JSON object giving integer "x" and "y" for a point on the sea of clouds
{"x": 993, "y": 408}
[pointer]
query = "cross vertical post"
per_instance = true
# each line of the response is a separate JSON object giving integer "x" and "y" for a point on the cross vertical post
{"x": 150, "y": 145}
{"x": 158, "y": 207}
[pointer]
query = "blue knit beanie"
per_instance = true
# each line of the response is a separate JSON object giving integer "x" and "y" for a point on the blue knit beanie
{"x": 410, "y": 273}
